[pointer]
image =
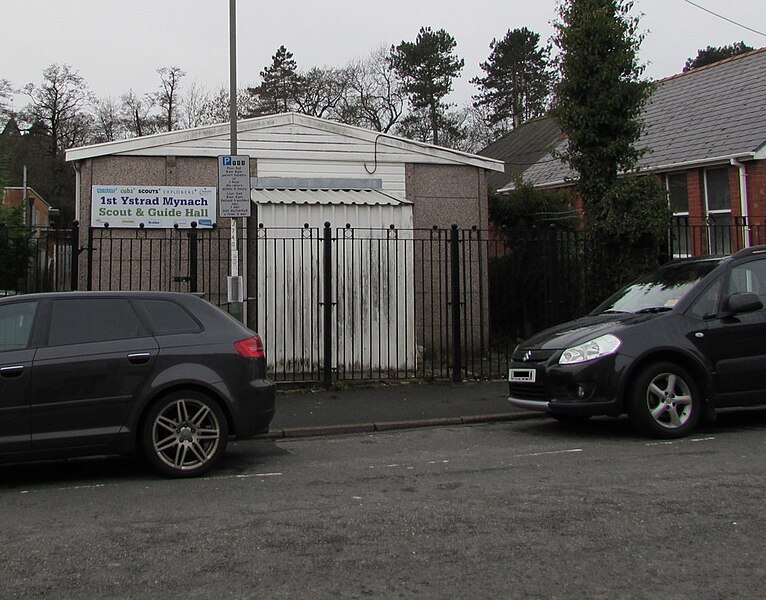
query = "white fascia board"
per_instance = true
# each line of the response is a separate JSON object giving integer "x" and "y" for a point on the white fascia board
{"x": 664, "y": 168}
{"x": 724, "y": 159}
{"x": 145, "y": 145}
{"x": 542, "y": 186}
{"x": 135, "y": 146}
{"x": 400, "y": 143}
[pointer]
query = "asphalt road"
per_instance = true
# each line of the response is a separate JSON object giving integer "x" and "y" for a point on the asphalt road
{"x": 527, "y": 509}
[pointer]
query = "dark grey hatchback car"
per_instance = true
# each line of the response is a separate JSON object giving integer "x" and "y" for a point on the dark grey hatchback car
{"x": 671, "y": 347}
{"x": 168, "y": 375}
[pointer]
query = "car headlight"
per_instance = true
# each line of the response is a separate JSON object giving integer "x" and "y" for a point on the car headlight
{"x": 596, "y": 348}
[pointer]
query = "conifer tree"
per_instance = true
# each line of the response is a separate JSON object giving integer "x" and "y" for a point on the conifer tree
{"x": 427, "y": 67}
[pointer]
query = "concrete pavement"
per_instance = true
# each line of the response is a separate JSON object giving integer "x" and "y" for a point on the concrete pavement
{"x": 391, "y": 405}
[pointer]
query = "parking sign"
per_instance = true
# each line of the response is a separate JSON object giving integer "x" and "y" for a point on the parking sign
{"x": 234, "y": 186}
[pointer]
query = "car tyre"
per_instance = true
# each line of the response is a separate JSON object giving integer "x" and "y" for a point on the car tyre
{"x": 665, "y": 401}
{"x": 184, "y": 434}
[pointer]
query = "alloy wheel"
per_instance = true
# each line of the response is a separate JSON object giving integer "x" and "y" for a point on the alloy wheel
{"x": 186, "y": 434}
{"x": 669, "y": 400}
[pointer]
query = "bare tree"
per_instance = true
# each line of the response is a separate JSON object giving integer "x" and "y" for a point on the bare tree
{"x": 374, "y": 96}
{"x": 168, "y": 98}
{"x": 470, "y": 130}
{"x": 135, "y": 113}
{"x": 58, "y": 103}
{"x": 321, "y": 91}
{"x": 107, "y": 124}
{"x": 5, "y": 95}
{"x": 195, "y": 106}
{"x": 216, "y": 109}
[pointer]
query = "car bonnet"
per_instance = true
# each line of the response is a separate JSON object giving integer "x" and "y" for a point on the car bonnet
{"x": 586, "y": 328}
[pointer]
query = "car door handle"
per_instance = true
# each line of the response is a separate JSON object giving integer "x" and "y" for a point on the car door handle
{"x": 139, "y": 358}
{"x": 13, "y": 371}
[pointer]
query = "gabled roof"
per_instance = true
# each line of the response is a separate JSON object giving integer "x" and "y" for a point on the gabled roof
{"x": 18, "y": 194}
{"x": 256, "y": 138}
{"x": 521, "y": 148}
{"x": 705, "y": 116}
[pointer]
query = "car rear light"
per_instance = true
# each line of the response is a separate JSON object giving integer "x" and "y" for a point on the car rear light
{"x": 250, "y": 348}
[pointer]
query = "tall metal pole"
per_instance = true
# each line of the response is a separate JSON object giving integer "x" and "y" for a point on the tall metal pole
{"x": 235, "y": 308}
{"x": 233, "y": 74}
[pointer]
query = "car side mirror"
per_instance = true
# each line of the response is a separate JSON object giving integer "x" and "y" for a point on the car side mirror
{"x": 742, "y": 302}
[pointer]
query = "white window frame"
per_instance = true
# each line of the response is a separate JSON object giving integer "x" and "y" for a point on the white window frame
{"x": 716, "y": 246}
{"x": 689, "y": 241}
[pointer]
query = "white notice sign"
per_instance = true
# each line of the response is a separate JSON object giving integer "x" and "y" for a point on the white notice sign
{"x": 234, "y": 186}
{"x": 152, "y": 207}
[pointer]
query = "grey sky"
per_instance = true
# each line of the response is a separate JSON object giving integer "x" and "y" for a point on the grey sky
{"x": 117, "y": 44}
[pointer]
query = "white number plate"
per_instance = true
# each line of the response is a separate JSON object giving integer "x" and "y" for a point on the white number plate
{"x": 522, "y": 375}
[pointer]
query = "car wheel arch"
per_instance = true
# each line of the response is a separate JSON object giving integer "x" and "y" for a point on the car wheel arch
{"x": 167, "y": 391}
{"x": 690, "y": 363}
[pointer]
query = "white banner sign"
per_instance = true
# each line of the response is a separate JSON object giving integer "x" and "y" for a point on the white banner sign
{"x": 152, "y": 207}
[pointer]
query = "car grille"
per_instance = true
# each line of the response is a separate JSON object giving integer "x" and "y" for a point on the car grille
{"x": 528, "y": 391}
{"x": 531, "y": 356}
{"x": 526, "y": 358}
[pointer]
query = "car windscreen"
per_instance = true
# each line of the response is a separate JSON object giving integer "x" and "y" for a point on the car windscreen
{"x": 660, "y": 290}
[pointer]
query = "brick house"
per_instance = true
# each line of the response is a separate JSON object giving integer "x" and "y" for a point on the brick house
{"x": 705, "y": 139}
{"x": 37, "y": 212}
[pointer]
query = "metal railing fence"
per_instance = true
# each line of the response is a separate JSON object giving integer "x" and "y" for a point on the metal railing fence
{"x": 350, "y": 304}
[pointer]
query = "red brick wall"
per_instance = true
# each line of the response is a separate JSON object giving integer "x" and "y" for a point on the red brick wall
{"x": 756, "y": 189}
{"x": 696, "y": 189}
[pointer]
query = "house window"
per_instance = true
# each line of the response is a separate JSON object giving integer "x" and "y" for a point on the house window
{"x": 718, "y": 203}
{"x": 678, "y": 197}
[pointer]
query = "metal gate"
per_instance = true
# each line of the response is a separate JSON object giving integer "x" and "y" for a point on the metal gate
{"x": 331, "y": 303}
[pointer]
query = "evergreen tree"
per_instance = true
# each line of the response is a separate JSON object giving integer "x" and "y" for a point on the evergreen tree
{"x": 14, "y": 247}
{"x": 600, "y": 96}
{"x": 427, "y": 67}
{"x": 713, "y": 54}
{"x": 518, "y": 80}
{"x": 280, "y": 85}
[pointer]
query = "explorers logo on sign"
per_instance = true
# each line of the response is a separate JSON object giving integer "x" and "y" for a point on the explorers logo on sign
{"x": 153, "y": 207}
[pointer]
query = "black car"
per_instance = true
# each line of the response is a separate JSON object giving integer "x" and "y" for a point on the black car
{"x": 166, "y": 374}
{"x": 667, "y": 349}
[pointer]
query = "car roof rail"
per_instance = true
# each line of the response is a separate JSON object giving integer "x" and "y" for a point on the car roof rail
{"x": 760, "y": 249}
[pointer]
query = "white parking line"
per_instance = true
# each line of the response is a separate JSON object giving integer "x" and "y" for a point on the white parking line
{"x": 673, "y": 442}
{"x": 548, "y": 453}
{"x": 245, "y": 476}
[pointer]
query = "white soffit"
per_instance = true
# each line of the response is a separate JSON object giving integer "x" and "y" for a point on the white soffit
{"x": 318, "y": 196}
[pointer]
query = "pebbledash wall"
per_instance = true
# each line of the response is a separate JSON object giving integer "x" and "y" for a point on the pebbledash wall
{"x": 439, "y": 187}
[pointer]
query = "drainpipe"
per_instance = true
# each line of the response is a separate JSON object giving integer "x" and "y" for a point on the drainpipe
{"x": 743, "y": 198}
{"x": 24, "y": 204}
{"x": 77, "y": 167}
